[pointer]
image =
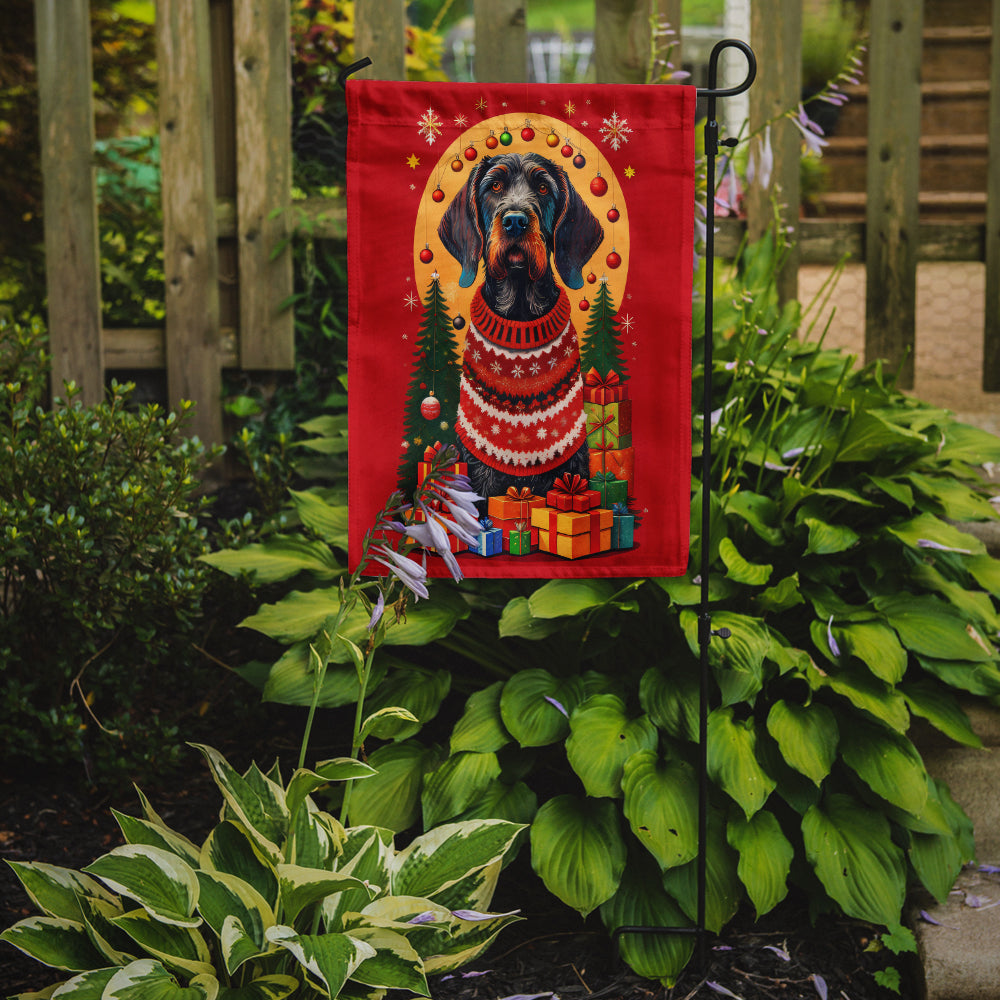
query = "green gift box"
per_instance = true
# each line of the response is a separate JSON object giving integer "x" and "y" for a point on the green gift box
{"x": 520, "y": 542}
{"x": 609, "y": 425}
{"x": 612, "y": 490}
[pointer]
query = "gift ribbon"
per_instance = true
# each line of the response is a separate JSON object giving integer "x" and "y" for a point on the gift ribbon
{"x": 604, "y": 478}
{"x": 570, "y": 484}
{"x": 619, "y": 509}
{"x": 519, "y": 493}
{"x": 599, "y": 423}
{"x": 431, "y": 451}
{"x": 486, "y": 523}
{"x": 520, "y": 526}
{"x": 594, "y": 380}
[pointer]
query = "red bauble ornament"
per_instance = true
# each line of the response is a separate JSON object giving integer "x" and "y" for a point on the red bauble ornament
{"x": 614, "y": 260}
{"x": 470, "y": 152}
{"x": 430, "y": 407}
{"x": 492, "y": 141}
{"x": 599, "y": 186}
{"x": 456, "y": 164}
{"x": 437, "y": 194}
{"x": 591, "y": 278}
{"x": 527, "y": 133}
{"x": 613, "y": 214}
{"x": 423, "y": 385}
{"x": 579, "y": 161}
{"x": 584, "y": 305}
{"x": 552, "y": 139}
{"x": 567, "y": 150}
{"x": 426, "y": 255}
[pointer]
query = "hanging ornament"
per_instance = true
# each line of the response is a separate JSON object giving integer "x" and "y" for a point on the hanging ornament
{"x": 579, "y": 161}
{"x": 423, "y": 385}
{"x": 527, "y": 133}
{"x": 492, "y": 140}
{"x": 598, "y": 186}
{"x": 430, "y": 407}
{"x": 427, "y": 254}
{"x": 456, "y": 164}
{"x": 506, "y": 138}
{"x": 437, "y": 194}
{"x": 458, "y": 322}
{"x": 552, "y": 139}
{"x": 614, "y": 259}
{"x": 584, "y": 305}
{"x": 443, "y": 425}
{"x": 591, "y": 278}
{"x": 567, "y": 149}
{"x": 613, "y": 214}
{"x": 470, "y": 152}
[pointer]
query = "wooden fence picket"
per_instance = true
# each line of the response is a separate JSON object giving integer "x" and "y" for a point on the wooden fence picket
{"x": 991, "y": 332}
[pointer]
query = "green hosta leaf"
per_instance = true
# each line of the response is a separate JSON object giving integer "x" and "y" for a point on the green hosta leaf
{"x": 931, "y": 628}
{"x": 147, "y": 979}
{"x": 893, "y": 488}
{"x": 515, "y": 803}
{"x": 180, "y": 948}
{"x": 415, "y": 689}
{"x": 225, "y": 897}
{"x": 807, "y": 736}
{"x": 986, "y": 571}
{"x": 141, "y": 831}
{"x": 661, "y": 799}
{"x": 975, "y": 605}
{"x": 870, "y": 436}
{"x": 395, "y": 964}
{"x": 850, "y": 847}
{"x": 387, "y": 723}
{"x": 481, "y": 728}
{"x": 301, "y": 887}
{"x": 292, "y": 680}
{"x": 279, "y": 558}
{"x": 54, "y": 941}
{"x": 530, "y": 706}
{"x": 641, "y": 901}
{"x": 888, "y": 763}
{"x": 160, "y": 882}
{"x": 327, "y": 520}
{"x": 758, "y": 511}
{"x": 230, "y": 849}
{"x": 87, "y": 986}
{"x": 723, "y": 889}
{"x": 602, "y": 738}
{"x": 56, "y": 891}
{"x": 578, "y": 851}
{"x": 751, "y": 574}
{"x": 965, "y": 443}
{"x": 927, "y": 528}
{"x": 438, "y": 859}
{"x": 865, "y": 692}
{"x": 732, "y": 760}
{"x": 304, "y": 782}
{"x": 671, "y": 699}
{"x": 684, "y": 593}
{"x": 783, "y": 595}
{"x": 559, "y": 598}
{"x": 828, "y": 539}
{"x": 275, "y": 987}
{"x": 391, "y": 798}
{"x": 876, "y": 646}
{"x": 517, "y": 620}
{"x": 456, "y": 784}
{"x": 976, "y": 678}
{"x": 957, "y": 501}
{"x": 738, "y": 661}
{"x": 765, "y": 858}
{"x": 937, "y": 860}
{"x": 330, "y": 959}
{"x": 941, "y": 709}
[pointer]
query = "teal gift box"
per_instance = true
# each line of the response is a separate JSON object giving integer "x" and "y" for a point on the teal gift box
{"x": 612, "y": 489}
{"x": 622, "y": 527}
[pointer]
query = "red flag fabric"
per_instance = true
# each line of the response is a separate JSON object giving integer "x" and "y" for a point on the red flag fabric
{"x": 520, "y": 274}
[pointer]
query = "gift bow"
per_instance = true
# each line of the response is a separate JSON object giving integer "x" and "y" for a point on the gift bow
{"x": 430, "y": 452}
{"x": 619, "y": 509}
{"x": 571, "y": 484}
{"x": 603, "y": 478}
{"x": 596, "y": 423}
{"x": 519, "y": 493}
{"x": 486, "y": 523}
{"x": 520, "y": 526}
{"x": 594, "y": 380}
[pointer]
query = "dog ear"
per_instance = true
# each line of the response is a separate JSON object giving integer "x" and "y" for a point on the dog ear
{"x": 460, "y": 229}
{"x": 577, "y": 233}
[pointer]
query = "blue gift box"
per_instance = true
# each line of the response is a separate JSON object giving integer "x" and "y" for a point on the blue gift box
{"x": 622, "y": 527}
{"x": 489, "y": 541}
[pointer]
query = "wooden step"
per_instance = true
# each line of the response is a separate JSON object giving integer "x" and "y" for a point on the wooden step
{"x": 956, "y": 206}
{"x": 956, "y": 53}
{"x": 945, "y": 12}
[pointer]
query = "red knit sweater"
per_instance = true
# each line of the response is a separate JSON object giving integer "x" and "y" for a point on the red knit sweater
{"x": 521, "y": 404}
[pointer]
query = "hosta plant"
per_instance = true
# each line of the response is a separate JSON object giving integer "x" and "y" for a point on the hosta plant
{"x": 279, "y": 900}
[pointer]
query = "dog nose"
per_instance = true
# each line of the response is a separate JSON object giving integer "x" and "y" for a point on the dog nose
{"x": 515, "y": 223}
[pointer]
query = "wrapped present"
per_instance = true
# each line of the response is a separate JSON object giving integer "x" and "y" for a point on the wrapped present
{"x": 598, "y": 388}
{"x": 522, "y": 539}
{"x": 454, "y": 544}
{"x": 622, "y": 526}
{"x": 620, "y": 462}
{"x": 609, "y": 425}
{"x": 489, "y": 541}
{"x": 508, "y": 525}
{"x": 514, "y": 505}
{"x": 571, "y": 493}
{"x": 612, "y": 490}
{"x": 430, "y": 454}
{"x": 572, "y": 534}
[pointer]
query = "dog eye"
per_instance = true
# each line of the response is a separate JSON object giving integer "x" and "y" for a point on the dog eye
{"x": 543, "y": 188}
{"x": 497, "y": 186}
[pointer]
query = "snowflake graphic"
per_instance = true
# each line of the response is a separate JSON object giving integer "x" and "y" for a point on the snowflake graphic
{"x": 481, "y": 104}
{"x": 552, "y": 363}
{"x": 535, "y": 368}
{"x": 584, "y": 124}
{"x": 476, "y": 354}
{"x": 542, "y": 432}
{"x": 626, "y": 323}
{"x": 461, "y": 121}
{"x": 496, "y": 367}
{"x": 495, "y": 428}
{"x": 570, "y": 109}
{"x": 615, "y": 130}
{"x": 430, "y": 126}
{"x": 411, "y": 302}
{"x": 517, "y": 371}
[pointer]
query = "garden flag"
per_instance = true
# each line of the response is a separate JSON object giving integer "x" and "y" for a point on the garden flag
{"x": 520, "y": 274}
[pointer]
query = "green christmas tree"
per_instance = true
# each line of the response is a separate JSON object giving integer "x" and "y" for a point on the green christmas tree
{"x": 435, "y": 376}
{"x": 602, "y": 347}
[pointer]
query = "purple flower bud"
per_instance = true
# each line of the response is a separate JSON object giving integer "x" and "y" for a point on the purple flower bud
{"x": 834, "y": 648}
{"x": 552, "y": 701}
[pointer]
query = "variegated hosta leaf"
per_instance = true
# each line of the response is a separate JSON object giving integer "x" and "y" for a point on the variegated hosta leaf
{"x": 850, "y": 847}
{"x": 141, "y": 831}
{"x": 481, "y": 727}
{"x": 732, "y": 760}
{"x": 56, "y": 891}
{"x": 456, "y": 784}
{"x": 147, "y": 979}
{"x": 329, "y": 959}
{"x": 366, "y": 855}
{"x": 476, "y": 890}
{"x": 225, "y": 897}
{"x": 315, "y": 838}
{"x": 602, "y": 737}
{"x": 642, "y": 902}
{"x": 230, "y": 849}
{"x": 256, "y": 801}
{"x": 116, "y": 946}
{"x": 578, "y": 851}
{"x": 177, "y": 947}
{"x": 765, "y": 858}
{"x": 395, "y": 964}
{"x": 888, "y": 763}
{"x": 441, "y": 857}
{"x": 54, "y": 941}
{"x": 274, "y": 987}
{"x": 535, "y": 706}
{"x": 661, "y": 799}
{"x": 807, "y": 736}
{"x": 301, "y": 887}
{"x": 86, "y": 986}
{"x": 391, "y": 799}
{"x": 304, "y": 782}
{"x": 467, "y": 940}
{"x": 158, "y": 880}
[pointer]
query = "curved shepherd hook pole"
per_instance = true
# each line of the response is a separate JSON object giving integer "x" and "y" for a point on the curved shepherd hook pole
{"x": 353, "y": 68}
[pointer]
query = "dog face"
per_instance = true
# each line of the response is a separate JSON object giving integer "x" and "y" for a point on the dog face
{"x": 517, "y": 212}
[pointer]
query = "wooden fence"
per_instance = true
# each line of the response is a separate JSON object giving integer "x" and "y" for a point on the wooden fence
{"x": 226, "y": 160}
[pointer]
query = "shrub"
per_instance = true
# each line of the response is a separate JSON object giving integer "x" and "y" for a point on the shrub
{"x": 99, "y": 539}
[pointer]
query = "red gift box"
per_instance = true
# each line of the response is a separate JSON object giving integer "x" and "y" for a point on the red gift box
{"x": 572, "y": 493}
{"x": 620, "y": 462}
{"x": 430, "y": 454}
{"x": 516, "y": 504}
{"x": 602, "y": 389}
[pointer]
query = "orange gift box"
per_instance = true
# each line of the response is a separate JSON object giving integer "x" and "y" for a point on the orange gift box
{"x": 620, "y": 462}
{"x": 572, "y": 534}
{"x": 514, "y": 505}
{"x": 424, "y": 469}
